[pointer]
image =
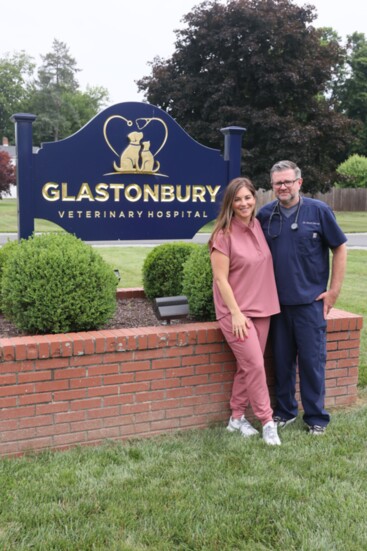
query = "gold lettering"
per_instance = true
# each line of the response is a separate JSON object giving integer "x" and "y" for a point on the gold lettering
{"x": 138, "y": 191}
{"x": 85, "y": 193}
{"x": 198, "y": 193}
{"x": 64, "y": 193}
{"x": 149, "y": 192}
{"x": 102, "y": 192}
{"x": 179, "y": 196}
{"x": 117, "y": 188}
{"x": 167, "y": 193}
{"x": 50, "y": 191}
{"x": 213, "y": 192}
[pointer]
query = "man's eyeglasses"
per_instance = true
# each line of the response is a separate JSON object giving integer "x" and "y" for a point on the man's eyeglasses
{"x": 287, "y": 183}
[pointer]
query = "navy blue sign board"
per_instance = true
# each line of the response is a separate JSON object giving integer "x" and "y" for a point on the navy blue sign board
{"x": 130, "y": 173}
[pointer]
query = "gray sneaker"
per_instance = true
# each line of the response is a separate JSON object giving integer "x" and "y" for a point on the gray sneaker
{"x": 241, "y": 425}
{"x": 270, "y": 434}
{"x": 316, "y": 430}
{"x": 281, "y": 422}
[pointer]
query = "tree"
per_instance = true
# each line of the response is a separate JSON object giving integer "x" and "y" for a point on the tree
{"x": 60, "y": 106}
{"x": 15, "y": 70}
{"x": 7, "y": 173}
{"x": 56, "y": 80}
{"x": 353, "y": 92}
{"x": 259, "y": 64}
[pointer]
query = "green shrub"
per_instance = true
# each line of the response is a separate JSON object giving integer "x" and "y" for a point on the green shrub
{"x": 162, "y": 269}
{"x": 353, "y": 172}
{"x": 5, "y": 252}
{"x": 198, "y": 284}
{"x": 55, "y": 283}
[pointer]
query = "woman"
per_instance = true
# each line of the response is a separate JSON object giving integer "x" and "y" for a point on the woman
{"x": 245, "y": 297}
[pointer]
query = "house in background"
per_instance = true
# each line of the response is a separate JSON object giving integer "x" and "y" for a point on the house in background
{"x": 11, "y": 150}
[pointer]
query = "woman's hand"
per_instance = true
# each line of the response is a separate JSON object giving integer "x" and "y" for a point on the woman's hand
{"x": 240, "y": 325}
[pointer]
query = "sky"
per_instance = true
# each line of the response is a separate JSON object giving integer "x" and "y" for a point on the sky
{"x": 113, "y": 41}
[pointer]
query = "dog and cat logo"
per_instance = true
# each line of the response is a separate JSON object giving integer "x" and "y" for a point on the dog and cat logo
{"x": 137, "y": 157}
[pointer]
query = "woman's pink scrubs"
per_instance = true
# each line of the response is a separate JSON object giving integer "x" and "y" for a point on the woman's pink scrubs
{"x": 251, "y": 277}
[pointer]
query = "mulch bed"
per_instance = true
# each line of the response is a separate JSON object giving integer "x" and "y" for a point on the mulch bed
{"x": 132, "y": 312}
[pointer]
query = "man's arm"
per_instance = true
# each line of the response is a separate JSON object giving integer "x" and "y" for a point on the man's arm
{"x": 337, "y": 276}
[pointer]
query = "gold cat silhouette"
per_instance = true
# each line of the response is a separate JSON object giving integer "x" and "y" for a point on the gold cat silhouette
{"x": 147, "y": 159}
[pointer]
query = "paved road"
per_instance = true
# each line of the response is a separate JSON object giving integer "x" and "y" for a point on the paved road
{"x": 355, "y": 241}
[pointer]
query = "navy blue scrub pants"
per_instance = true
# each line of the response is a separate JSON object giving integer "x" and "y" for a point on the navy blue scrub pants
{"x": 299, "y": 336}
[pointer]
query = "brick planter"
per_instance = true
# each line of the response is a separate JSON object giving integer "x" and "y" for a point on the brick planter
{"x": 57, "y": 391}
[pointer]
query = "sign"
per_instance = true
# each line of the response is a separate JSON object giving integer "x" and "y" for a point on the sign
{"x": 131, "y": 173}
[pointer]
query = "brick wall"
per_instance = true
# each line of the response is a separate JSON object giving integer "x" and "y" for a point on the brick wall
{"x": 57, "y": 391}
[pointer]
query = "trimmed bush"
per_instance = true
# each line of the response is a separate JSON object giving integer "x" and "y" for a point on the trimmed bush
{"x": 198, "y": 284}
{"x": 55, "y": 283}
{"x": 5, "y": 252}
{"x": 353, "y": 172}
{"x": 162, "y": 269}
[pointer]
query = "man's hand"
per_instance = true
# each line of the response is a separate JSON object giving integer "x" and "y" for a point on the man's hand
{"x": 329, "y": 298}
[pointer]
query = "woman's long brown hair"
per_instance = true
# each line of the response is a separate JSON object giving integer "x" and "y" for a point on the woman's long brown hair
{"x": 223, "y": 221}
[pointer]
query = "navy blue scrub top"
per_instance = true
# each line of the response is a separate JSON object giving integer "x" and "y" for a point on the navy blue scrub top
{"x": 301, "y": 256}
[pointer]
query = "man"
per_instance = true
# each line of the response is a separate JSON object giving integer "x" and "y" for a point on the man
{"x": 300, "y": 233}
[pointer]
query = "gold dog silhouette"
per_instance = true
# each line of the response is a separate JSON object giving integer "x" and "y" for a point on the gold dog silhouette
{"x": 129, "y": 160}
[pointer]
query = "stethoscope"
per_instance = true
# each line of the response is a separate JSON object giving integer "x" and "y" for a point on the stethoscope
{"x": 276, "y": 212}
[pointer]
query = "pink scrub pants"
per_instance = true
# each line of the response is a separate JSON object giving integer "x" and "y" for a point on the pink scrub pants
{"x": 249, "y": 384}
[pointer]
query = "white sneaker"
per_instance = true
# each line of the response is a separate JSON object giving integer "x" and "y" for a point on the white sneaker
{"x": 270, "y": 434}
{"x": 241, "y": 425}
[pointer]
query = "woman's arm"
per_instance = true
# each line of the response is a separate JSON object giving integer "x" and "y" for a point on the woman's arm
{"x": 220, "y": 267}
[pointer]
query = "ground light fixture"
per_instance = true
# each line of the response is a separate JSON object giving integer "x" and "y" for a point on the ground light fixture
{"x": 169, "y": 308}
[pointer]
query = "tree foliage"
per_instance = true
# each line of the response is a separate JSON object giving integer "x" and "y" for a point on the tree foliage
{"x": 53, "y": 95}
{"x": 353, "y": 172}
{"x": 55, "y": 98}
{"x": 353, "y": 89}
{"x": 259, "y": 64}
{"x": 7, "y": 173}
{"x": 15, "y": 70}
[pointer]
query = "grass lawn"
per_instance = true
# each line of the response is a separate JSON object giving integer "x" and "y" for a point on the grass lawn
{"x": 350, "y": 222}
{"x": 129, "y": 261}
{"x": 205, "y": 490}
{"x": 353, "y": 298}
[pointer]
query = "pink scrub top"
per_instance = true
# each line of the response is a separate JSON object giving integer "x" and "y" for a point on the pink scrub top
{"x": 251, "y": 273}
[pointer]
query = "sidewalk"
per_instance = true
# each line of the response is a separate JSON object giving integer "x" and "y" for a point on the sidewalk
{"x": 355, "y": 241}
